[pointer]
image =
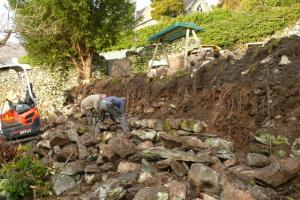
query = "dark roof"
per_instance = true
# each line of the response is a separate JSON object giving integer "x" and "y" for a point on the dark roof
{"x": 139, "y": 13}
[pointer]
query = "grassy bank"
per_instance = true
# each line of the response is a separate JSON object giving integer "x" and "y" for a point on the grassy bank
{"x": 224, "y": 27}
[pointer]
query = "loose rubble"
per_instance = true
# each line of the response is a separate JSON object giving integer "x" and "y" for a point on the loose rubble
{"x": 155, "y": 162}
{"x": 219, "y": 135}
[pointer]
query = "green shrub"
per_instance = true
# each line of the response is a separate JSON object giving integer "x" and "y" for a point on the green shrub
{"x": 251, "y": 4}
{"x": 140, "y": 65}
{"x": 23, "y": 177}
{"x": 226, "y": 28}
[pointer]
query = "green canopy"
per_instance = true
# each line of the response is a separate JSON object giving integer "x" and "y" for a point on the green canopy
{"x": 174, "y": 32}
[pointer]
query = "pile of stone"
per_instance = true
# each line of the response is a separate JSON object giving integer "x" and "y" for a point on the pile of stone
{"x": 158, "y": 160}
{"x": 196, "y": 60}
{"x": 287, "y": 32}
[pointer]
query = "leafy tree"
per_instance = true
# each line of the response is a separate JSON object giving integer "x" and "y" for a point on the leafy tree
{"x": 163, "y": 9}
{"x": 71, "y": 31}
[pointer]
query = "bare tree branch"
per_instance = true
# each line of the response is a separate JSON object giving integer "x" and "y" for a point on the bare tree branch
{"x": 6, "y": 26}
{"x": 5, "y": 39}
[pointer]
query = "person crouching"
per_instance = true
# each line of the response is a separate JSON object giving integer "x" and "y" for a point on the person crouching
{"x": 115, "y": 107}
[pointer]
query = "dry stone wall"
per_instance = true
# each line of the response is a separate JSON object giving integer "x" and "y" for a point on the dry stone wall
{"x": 175, "y": 159}
{"x": 48, "y": 86}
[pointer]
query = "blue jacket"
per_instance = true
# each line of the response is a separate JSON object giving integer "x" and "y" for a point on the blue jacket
{"x": 116, "y": 101}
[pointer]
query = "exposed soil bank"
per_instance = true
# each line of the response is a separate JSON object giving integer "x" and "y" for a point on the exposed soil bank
{"x": 233, "y": 98}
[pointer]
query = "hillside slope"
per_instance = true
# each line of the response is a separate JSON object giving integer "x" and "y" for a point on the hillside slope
{"x": 235, "y": 99}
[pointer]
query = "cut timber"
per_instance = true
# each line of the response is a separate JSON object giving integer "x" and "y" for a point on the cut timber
{"x": 154, "y": 54}
{"x": 255, "y": 44}
{"x": 187, "y": 39}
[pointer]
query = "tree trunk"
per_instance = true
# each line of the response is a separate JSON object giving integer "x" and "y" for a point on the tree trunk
{"x": 85, "y": 63}
{"x": 87, "y": 67}
{"x": 5, "y": 38}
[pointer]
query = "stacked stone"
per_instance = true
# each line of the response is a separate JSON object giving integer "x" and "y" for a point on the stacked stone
{"x": 159, "y": 159}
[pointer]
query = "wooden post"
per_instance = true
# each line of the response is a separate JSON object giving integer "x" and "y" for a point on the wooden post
{"x": 197, "y": 39}
{"x": 187, "y": 39}
{"x": 166, "y": 54}
{"x": 154, "y": 54}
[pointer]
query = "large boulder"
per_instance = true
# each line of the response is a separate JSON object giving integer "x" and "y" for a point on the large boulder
{"x": 193, "y": 142}
{"x": 61, "y": 183}
{"x": 177, "y": 190}
{"x": 106, "y": 166}
{"x": 284, "y": 60}
{"x": 67, "y": 152}
{"x": 296, "y": 147}
{"x": 206, "y": 197}
{"x": 107, "y": 152}
{"x": 178, "y": 168}
{"x": 115, "y": 188}
{"x": 145, "y": 145}
{"x": 163, "y": 164}
{"x": 275, "y": 174}
{"x": 122, "y": 146}
{"x": 257, "y": 160}
{"x": 171, "y": 124}
{"x": 72, "y": 135}
{"x": 219, "y": 144}
{"x": 204, "y": 178}
{"x": 110, "y": 190}
{"x": 91, "y": 178}
{"x": 59, "y": 138}
{"x": 156, "y": 124}
{"x": 244, "y": 173}
{"x": 161, "y": 152}
{"x": 230, "y": 192}
{"x": 233, "y": 188}
{"x": 83, "y": 151}
{"x": 170, "y": 138}
{"x": 147, "y": 134}
{"x": 73, "y": 168}
{"x": 87, "y": 139}
{"x": 106, "y": 136}
{"x": 44, "y": 144}
{"x": 126, "y": 167}
{"x": 221, "y": 147}
{"x": 151, "y": 193}
{"x": 176, "y": 63}
{"x": 195, "y": 126}
{"x": 92, "y": 168}
{"x": 158, "y": 72}
{"x": 279, "y": 172}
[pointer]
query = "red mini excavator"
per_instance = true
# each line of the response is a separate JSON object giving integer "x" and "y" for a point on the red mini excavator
{"x": 19, "y": 118}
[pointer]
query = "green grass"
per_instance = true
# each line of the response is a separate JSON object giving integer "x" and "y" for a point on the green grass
{"x": 226, "y": 28}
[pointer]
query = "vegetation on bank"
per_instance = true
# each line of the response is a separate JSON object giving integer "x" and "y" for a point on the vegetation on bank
{"x": 225, "y": 27}
{"x": 25, "y": 176}
{"x": 77, "y": 35}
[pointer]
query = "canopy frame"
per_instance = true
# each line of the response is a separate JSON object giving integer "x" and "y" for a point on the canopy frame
{"x": 174, "y": 32}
